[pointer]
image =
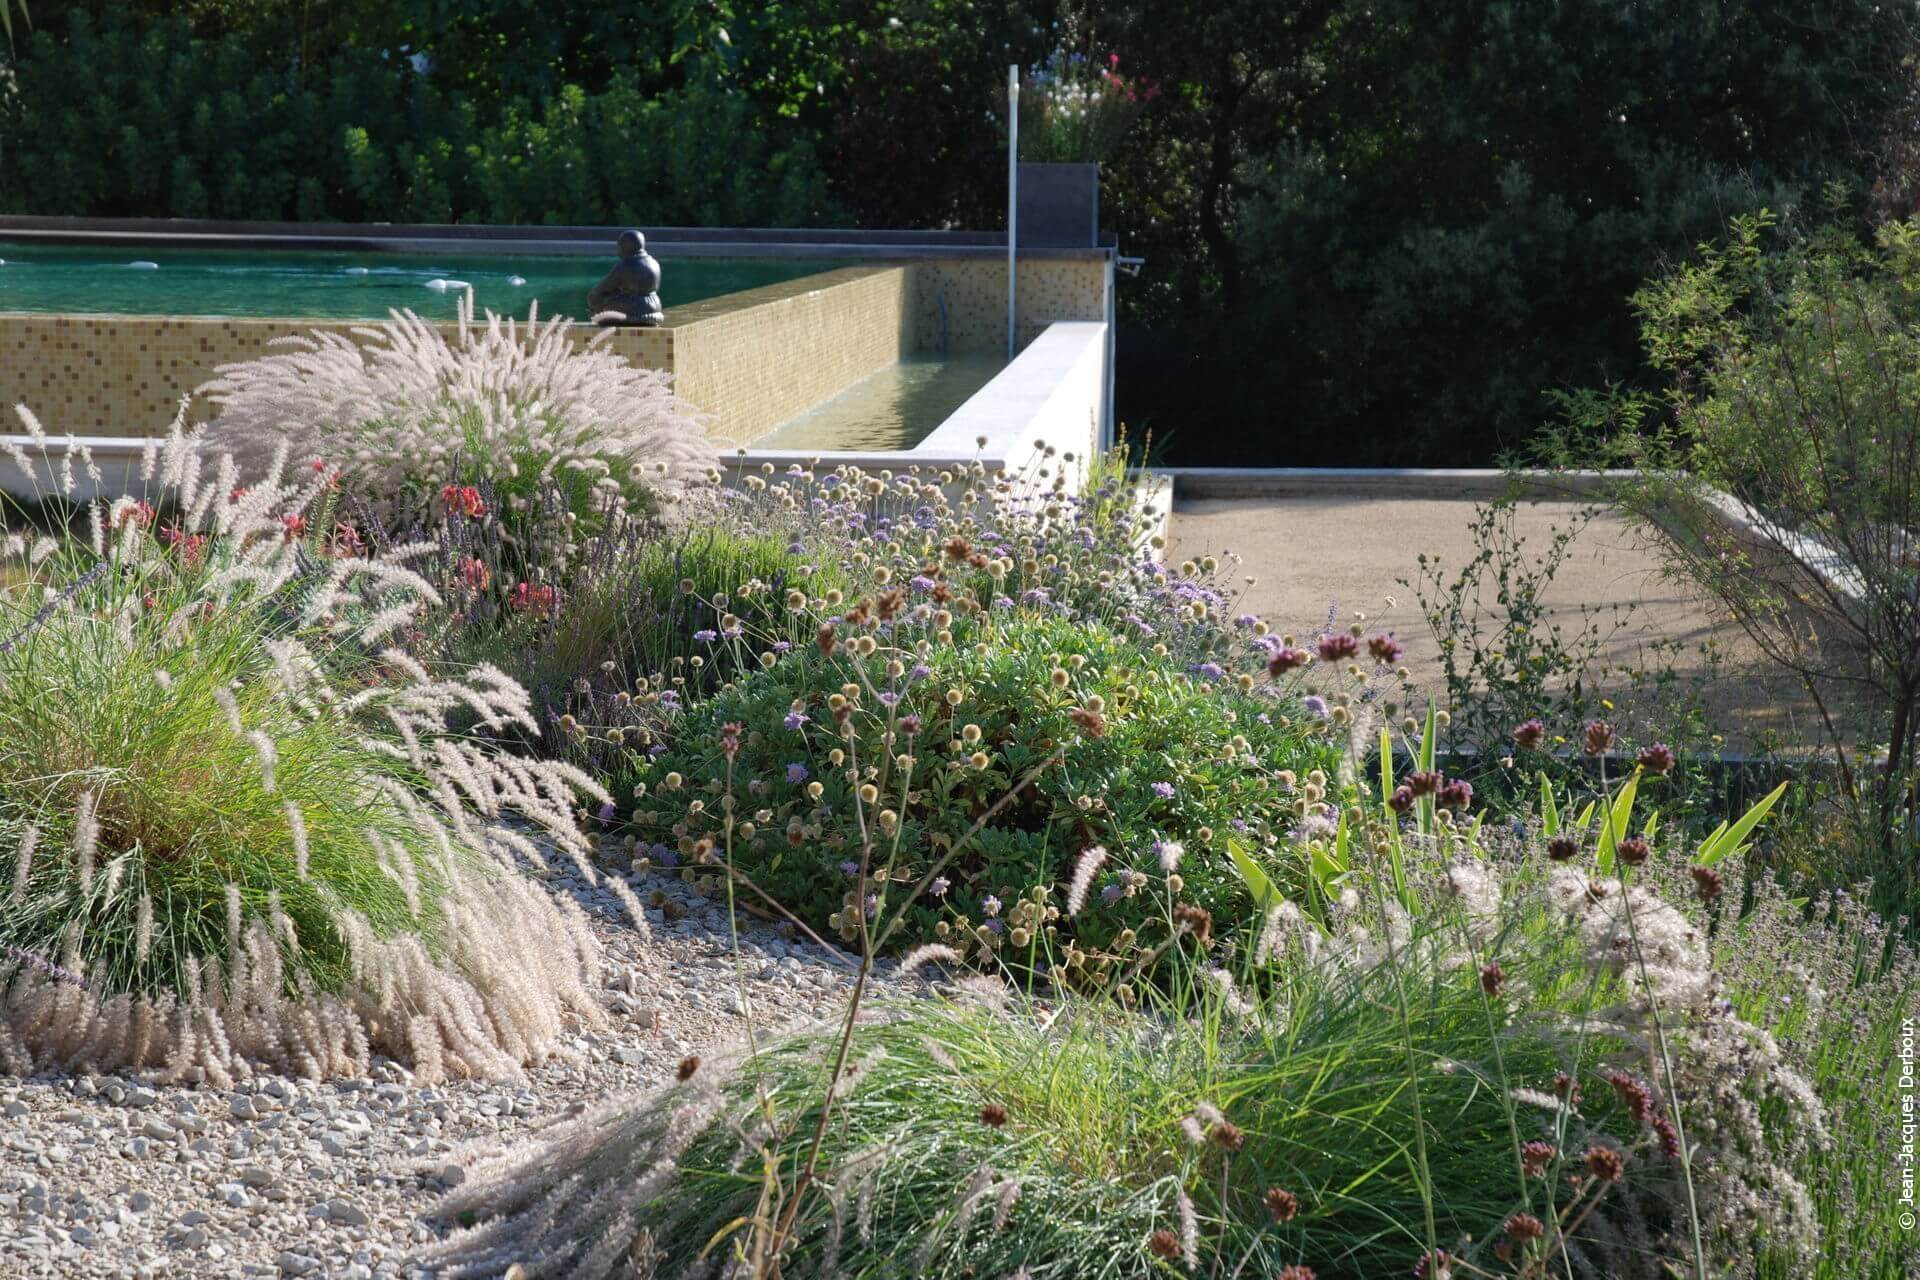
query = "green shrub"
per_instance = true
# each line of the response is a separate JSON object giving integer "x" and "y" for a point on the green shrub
{"x": 1099, "y": 741}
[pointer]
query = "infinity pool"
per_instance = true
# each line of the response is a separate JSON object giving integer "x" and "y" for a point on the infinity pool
{"x": 895, "y": 407}
{"x": 340, "y": 286}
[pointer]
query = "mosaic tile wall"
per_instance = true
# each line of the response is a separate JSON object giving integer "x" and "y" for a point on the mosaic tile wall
{"x": 751, "y": 359}
{"x": 769, "y": 354}
{"x": 964, "y": 301}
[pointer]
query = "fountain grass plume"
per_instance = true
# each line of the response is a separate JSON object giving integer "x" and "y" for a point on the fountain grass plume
{"x": 402, "y": 407}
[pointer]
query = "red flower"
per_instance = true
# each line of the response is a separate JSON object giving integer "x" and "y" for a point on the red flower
{"x": 474, "y": 573}
{"x": 528, "y": 598}
{"x": 464, "y": 499}
{"x": 140, "y": 514}
{"x": 293, "y": 526}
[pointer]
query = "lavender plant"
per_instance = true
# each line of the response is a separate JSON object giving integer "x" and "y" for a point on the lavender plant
{"x": 236, "y": 830}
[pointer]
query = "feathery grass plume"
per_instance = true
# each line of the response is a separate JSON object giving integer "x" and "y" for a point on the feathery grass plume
{"x": 401, "y": 408}
{"x": 201, "y": 709}
{"x": 1084, "y": 870}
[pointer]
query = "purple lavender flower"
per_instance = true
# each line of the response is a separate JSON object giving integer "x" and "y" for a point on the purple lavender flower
{"x": 796, "y": 773}
{"x": 1163, "y": 789}
{"x": 850, "y": 868}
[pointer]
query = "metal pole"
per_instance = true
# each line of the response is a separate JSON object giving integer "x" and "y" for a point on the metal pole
{"x": 1013, "y": 190}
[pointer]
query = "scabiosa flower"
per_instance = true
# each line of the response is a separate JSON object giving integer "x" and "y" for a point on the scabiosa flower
{"x": 1562, "y": 848}
{"x": 1338, "y": 645}
{"x": 706, "y": 635}
{"x": 1633, "y": 850}
{"x": 910, "y": 724}
{"x": 1535, "y": 1157}
{"x": 1285, "y": 659}
{"x": 1195, "y": 920}
{"x": 1633, "y": 1094}
{"x": 1163, "y": 789}
{"x": 1385, "y": 649}
{"x": 1282, "y": 1205}
{"x": 848, "y": 867}
{"x": 1606, "y": 1163}
{"x": 1424, "y": 783}
{"x": 1598, "y": 737}
{"x": 1315, "y": 705}
{"x": 940, "y": 886}
{"x": 1437, "y": 1265}
{"x": 795, "y": 719}
{"x": 1091, "y": 722}
{"x": 991, "y": 905}
{"x": 1401, "y": 800}
{"x": 796, "y": 773}
{"x": 1113, "y": 893}
{"x": 1707, "y": 883}
{"x": 1657, "y": 758}
{"x": 1524, "y": 1227}
{"x": 1529, "y": 734}
{"x": 1456, "y": 794}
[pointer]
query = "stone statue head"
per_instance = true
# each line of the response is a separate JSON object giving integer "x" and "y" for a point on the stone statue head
{"x": 632, "y": 244}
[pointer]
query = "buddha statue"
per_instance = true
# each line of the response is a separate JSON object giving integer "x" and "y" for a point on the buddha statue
{"x": 632, "y": 288}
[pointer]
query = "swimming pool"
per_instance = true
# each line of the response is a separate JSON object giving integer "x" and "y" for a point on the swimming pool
{"x": 333, "y": 285}
{"x": 894, "y": 407}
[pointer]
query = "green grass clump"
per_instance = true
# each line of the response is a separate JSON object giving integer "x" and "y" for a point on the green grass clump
{"x": 889, "y": 754}
{"x": 1380, "y": 1088}
{"x": 120, "y": 726}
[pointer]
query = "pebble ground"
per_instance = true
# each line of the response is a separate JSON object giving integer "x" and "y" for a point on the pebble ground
{"x": 109, "y": 1176}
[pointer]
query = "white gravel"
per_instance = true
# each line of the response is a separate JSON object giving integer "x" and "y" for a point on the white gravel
{"x": 111, "y": 1176}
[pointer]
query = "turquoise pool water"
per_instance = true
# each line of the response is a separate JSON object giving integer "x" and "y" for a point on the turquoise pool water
{"x": 893, "y": 408}
{"x": 340, "y": 286}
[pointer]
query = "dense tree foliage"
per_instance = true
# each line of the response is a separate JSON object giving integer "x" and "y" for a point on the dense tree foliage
{"x": 1375, "y": 232}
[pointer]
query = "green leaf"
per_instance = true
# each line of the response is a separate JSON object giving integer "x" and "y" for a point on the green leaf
{"x": 1727, "y": 839}
{"x": 1549, "y": 811}
{"x": 1265, "y": 896}
{"x": 1613, "y": 825}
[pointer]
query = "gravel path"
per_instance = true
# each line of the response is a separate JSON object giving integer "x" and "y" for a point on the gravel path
{"x": 110, "y": 1176}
